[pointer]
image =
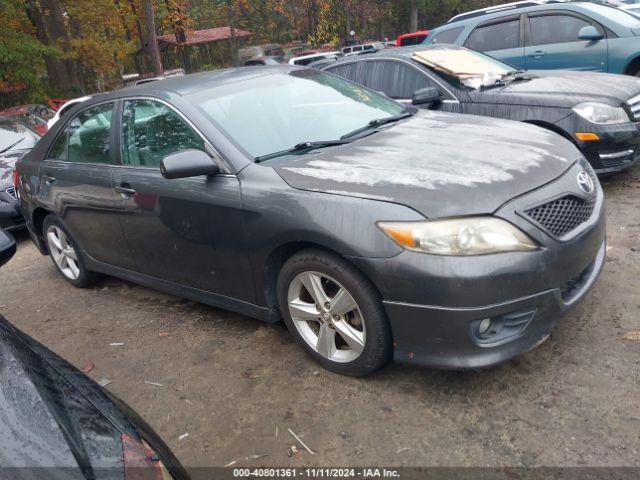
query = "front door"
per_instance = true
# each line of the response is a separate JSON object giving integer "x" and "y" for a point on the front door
{"x": 187, "y": 230}
{"x": 75, "y": 182}
{"x": 552, "y": 43}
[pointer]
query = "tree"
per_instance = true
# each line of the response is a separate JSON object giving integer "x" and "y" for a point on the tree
{"x": 413, "y": 25}
{"x": 152, "y": 40}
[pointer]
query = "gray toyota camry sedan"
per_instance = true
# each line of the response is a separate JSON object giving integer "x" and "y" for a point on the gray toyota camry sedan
{"x": 375, "y": 231}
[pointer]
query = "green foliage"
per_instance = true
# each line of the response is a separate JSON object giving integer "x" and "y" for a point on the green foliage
{"x": 22, "y": 68}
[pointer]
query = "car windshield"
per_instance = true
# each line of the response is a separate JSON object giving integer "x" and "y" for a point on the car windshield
{"x": 15, "y": 136}
{"x": 276, "y": 112}
{"x": 614, "y": 14}
{"x": 470, "y": 68}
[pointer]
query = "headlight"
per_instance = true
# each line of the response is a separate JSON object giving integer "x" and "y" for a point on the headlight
{"x": 601, "y": 113}
{"x": 459, "y": 236}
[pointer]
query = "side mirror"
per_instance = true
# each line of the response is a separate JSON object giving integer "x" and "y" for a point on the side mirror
{"x": 7, "y": 247}
{"x": 590, "y": 33}
{"x": 188, "y": 163}
{"x": 429, "y": 95}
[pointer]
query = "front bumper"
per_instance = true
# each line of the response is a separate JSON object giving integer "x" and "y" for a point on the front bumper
{"x": 10, "y": 214}
{"x": 618, "y": 148}
{"x": 445, "y": 337}
{"x": 435, "y": 304}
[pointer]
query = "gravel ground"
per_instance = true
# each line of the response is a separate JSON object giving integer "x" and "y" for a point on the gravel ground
{"x": 236, "y": 385}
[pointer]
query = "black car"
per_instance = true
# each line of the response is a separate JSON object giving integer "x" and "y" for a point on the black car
{"x": 15, "y": 140}
{"x": 283, "y": 192}
{"x": 58, "y": 423}
{"x": 598, "y": 112}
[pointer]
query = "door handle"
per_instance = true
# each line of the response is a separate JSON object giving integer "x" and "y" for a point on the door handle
{"x": 48, "y": 179}
{"x": 538, "y": 54}
{"x": 125, "y": 190}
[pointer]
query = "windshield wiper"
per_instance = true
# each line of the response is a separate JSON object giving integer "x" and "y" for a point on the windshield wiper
{"x": 11, "y": 146}
{"x": 377, "y": 123}
{"x": 302, "y": 147}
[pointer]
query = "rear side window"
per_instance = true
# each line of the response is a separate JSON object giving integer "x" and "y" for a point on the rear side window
{"x": 415, "y": 40}
{"x": 497, "y": 36}
{"x": 151, "y": 131}
{"x": 356, "y": 71}
{"x": 87, "y": 137}
{"x": 447, "y": 36}
{"x": 395, "y": 79}
{"x": 548, "y": 29}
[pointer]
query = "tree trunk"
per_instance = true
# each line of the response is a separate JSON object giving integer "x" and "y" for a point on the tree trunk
{"x": 34, "y": 14}
{"x": 152, "y": 40}
{"x": 231, "y": 19}
{"x": 51, "y": 19}
{"x": 414, "y": 16}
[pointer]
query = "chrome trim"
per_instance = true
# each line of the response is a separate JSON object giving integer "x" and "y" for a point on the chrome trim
{"x": 609, "y": 156}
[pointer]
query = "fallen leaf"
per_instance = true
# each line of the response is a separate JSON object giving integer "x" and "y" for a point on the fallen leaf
{"x": 163, "y": 334}
{"x": 634, "y": 336}
{"x": 88, "y": 366}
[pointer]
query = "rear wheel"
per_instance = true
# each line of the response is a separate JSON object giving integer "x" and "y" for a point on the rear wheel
{"x": 65, "y": 253}
{"x": 334, "y": 312}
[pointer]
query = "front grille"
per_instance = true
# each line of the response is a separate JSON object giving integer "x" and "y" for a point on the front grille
{"x": 12, "y": 192}
{"x": 561, "y": 216}
{"x": 634, "y": 106}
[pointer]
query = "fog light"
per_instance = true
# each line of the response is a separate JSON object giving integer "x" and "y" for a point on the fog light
{"x": 484, "y": 326}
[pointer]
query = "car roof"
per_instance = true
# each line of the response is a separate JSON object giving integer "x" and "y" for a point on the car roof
{"x": 195, "y": 82}
{"x": 399, "y": 52}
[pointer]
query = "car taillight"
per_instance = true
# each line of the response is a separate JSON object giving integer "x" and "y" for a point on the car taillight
{"x": 140, "y": 461}
{"x": 16, "y": 179}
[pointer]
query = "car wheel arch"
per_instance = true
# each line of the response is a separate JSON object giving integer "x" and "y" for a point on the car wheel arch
{"x": 277, "y": 258}
{"x": 37, "y": 219}
{"x": 553, "y": 128}
{"x": 633, "y": 67}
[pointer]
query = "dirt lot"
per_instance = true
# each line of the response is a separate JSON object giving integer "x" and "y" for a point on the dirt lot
{"x": 231, "y": 382}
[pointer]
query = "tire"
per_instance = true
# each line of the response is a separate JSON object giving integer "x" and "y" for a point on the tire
{"x": 349, "y": 334}
{"x": 68, "y": 259}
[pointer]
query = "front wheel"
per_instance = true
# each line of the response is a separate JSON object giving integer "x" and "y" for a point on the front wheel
{"x": 65, "y": 253}
{"x": 334, "y": 312}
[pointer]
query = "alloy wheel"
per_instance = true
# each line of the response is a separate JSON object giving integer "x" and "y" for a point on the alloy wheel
{"x": 326, "y": 316}
{"x": 63, "y": 253}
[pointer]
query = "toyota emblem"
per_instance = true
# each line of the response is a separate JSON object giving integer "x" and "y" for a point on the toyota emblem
{"x": 585, "y": 182}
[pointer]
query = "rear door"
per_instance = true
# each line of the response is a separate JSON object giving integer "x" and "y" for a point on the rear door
{"x": 185, "y": 231}
{"x": 75, "y": 182}
{"x": 501, "y": 39}
{"x": 552, "y": 42}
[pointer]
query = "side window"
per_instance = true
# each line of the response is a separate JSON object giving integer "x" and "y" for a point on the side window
{"x": 86, "y": 138}
{"x": 59, "y": 148}
{"x": 497, "y": 36}
{"x": 447, "y": 36}
{"x": 395, "y": 79}
{"x": 548, "y": 29}
{"x": 355, "y": 71}
{"x": 151, "y": 131}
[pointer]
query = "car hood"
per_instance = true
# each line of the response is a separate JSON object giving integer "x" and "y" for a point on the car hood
{"x": 7, "y": 164}
{"x": 563, "y": 88}
{"x": 438, "y": 164}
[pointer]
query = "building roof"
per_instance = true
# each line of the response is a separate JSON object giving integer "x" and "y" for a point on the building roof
{"x": 198, "y": 37}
